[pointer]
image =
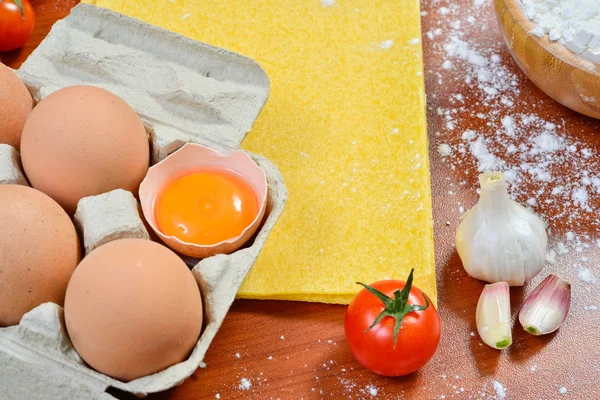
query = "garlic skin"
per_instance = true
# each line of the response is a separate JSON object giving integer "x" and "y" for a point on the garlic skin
{"x": 546, "y": 308}
{"x": 493, "y": 316}
{"x": 499, "y": 240}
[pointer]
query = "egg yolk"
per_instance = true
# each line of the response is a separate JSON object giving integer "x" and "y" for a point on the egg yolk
{"x": 206, "y": 207}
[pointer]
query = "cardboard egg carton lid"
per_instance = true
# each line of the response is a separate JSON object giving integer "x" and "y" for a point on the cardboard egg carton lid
{"x": 183, "y": 90}
{"x": 187, "y": 92}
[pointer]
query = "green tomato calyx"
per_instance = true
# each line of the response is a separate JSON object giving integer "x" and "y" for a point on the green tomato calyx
{"x": 396, "y": 307}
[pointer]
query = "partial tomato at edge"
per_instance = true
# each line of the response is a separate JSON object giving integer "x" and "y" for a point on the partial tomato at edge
{"x": 15, "y": 28}
{"x": 417, "y": 340}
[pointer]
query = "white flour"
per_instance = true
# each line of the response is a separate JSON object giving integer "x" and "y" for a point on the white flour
{"x": 563, "y": 390}
{"x": 574, "y": 23}
{"x": 500, "y": 390}
{"x": 245, "y": 384}
{"x": 585, "y": 275}
{"x": 386, "y": 44}
{"x": 372, "y": 390}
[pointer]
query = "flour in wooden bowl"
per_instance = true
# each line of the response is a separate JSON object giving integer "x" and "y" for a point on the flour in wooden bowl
{"x": 574, "y": 23}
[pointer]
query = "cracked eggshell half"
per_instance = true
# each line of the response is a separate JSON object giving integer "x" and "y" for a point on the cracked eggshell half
{"x": 191, "y": 158}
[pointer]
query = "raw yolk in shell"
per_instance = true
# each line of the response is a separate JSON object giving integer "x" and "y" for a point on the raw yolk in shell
{"x": 206, "y": 207}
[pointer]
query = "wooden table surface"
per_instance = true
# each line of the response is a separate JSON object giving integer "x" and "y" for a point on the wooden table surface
{"x": 292, "y": 350}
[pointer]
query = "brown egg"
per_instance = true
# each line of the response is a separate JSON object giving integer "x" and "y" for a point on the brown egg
{"x": 82, "y": 141}
{"x": 133, "y": 308}
{"x": 15, "y": 105}
{"x": 39, "y": 250}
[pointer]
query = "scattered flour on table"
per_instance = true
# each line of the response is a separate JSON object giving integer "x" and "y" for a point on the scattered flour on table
{"x": 372, "y": 390}
{"x": 348, "y": 384}
{"x": 327, "y": 3}
{"x": 563, "y": 390}
{"x": 549, "y": 167}
{"x": 498, "y": 88}
{"x": 245, "y": 384}
{"x": 500, "y": 390}
{"x": 551, "y": 256}
{"x": 585, "y": 275}
{"x": 444, "y": 150}
{"x": 561, "y": 248}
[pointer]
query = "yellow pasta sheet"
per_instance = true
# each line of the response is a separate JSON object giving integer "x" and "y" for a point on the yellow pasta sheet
{"x": 346, "y": 125}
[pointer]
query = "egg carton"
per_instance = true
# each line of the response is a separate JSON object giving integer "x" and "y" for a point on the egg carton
{"x": 184, "y": 91}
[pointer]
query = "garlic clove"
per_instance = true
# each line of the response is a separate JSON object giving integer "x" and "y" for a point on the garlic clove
{"x": 498, "y": 240}
{"x": 493, "y": 316}
{"x": 546, "y": 308}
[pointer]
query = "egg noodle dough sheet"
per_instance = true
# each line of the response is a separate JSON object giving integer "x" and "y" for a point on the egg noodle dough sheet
{"x": 345, "y": 123}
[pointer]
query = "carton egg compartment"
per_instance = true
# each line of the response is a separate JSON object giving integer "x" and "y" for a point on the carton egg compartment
{"x": 184, "y": 92}
{"x": 109, "y": 216}
{"x": 10, "y": 166}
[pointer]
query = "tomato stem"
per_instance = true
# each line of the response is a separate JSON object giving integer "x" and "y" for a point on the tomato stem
{"x": 20, "y": 5}
{"x": 396, "y": 307}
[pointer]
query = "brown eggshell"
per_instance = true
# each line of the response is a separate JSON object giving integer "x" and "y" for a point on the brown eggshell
{"x": 82, "y": 141}
{"x": 39, "y": 250}
{"x": 133, "y": 308}
{"x": 15, "y": 105}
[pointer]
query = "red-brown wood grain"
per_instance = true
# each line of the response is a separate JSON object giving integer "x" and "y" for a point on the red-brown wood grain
{"x": 292, "y": 350}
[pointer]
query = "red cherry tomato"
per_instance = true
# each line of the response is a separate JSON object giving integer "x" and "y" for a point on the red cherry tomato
{"x": 15, "y": 28}
{"x": 386, "y": 309}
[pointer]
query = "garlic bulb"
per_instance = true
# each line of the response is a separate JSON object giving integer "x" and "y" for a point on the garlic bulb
{"x": 546, "y": 307}
{"x": 493, "y": 315}
{"x": 499, "y": 240}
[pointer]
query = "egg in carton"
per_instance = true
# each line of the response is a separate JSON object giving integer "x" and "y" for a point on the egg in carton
{"x": 184, "y": 92}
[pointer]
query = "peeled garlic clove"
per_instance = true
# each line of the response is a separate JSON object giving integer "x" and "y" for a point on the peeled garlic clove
{"x": 546, "y": 307}
{"x": 493, "y": 316}
{"x": 498, "y": 240}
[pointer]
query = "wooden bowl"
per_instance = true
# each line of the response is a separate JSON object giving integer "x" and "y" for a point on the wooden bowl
{"x": 568, "y": 78}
